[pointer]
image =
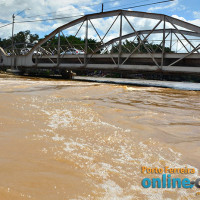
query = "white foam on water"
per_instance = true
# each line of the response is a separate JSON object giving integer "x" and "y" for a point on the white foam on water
{"x": 60, "y": 119}
{"x": 40, "y": 137}
{"x": 44, "y": 150}
{"x": 73, "y": 145}
{"x": 68, "y": 147}
{"x": 79, "y": 155}
{"x": 58, "y": 138}
{"x": 132, "y": 88}
{"x": 34, "y": 106}
{"x": 123, "y": 156}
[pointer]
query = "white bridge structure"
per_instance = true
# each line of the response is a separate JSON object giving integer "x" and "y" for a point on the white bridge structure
{"x": 170, "y": 45}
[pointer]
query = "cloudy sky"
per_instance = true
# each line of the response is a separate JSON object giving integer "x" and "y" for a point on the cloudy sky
{"x": 188, "y": 10}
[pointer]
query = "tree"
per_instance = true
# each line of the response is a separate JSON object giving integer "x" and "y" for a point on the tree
{"x": 70, "y": 42}
{"x": 5, "y": 43}
{"x": 20, "y": 39}
{"x": 129, "y": 46}
{"x": 26, "y": 38}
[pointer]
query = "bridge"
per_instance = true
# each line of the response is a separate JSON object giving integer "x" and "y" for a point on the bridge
{"x": 123, "y": 44}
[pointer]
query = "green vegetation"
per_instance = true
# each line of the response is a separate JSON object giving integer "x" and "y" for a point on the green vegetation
{"x": 76, "y": 42}
{"x": 129, "y": 46}
{"x": 26, "y": 38}
{"x": 20, "y": 39}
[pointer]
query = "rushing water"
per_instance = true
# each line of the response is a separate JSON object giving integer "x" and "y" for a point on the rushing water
{"x": 79, "y": 140}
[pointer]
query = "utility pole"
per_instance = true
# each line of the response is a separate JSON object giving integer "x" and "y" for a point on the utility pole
{"x": 102, "y": 7}
{"x": 13, "y": 22}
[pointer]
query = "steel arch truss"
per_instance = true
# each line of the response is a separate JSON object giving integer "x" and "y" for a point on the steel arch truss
{"x": 160, "y": 55}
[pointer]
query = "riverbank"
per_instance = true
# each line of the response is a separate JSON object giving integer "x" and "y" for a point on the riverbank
{"x": 142, "y": 82}
{"x": 123, "y": 81}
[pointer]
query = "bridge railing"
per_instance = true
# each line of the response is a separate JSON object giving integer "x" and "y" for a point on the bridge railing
{"x": 154, "y": 46}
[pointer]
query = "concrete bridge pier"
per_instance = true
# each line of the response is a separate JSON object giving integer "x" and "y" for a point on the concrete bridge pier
{"x": 67, "y": 74}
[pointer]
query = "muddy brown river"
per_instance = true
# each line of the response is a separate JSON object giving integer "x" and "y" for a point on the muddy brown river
{"x": 63, "y": 140}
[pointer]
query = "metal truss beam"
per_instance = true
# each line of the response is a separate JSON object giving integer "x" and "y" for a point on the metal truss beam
{"x": 172, "y": 20}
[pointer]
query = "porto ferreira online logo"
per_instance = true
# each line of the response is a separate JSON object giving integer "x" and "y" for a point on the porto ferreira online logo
{"x": 166, "y": 180}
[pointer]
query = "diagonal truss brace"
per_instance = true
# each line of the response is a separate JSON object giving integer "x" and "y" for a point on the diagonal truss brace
{"x": 142, "y": 41}
{"x": 98, "y": 48}
{"x": 196, "y": 48}
{"x": 71, "y": 47}
{"x": 102, "y": 40}
{"x": 182, "y": 35}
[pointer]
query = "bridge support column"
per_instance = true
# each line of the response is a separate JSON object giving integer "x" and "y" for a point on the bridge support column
{"x": 163, "y": 46}
{"x": 13, "y": 62}
{"x": 67, "y": 74}
{"x": 120, "y": 41}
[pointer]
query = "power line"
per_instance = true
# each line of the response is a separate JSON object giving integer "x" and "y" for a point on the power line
{"x": 69, "y": 9}
{"x": 5, "y": 25}
{"x": 149, "y": 4}
{"x": 130, "y": 4}
{"x": 46, "y": 14}
{"x": 59, "y": 18}
{"x": 87, "y": 6}
{"x": 39, "y": 20}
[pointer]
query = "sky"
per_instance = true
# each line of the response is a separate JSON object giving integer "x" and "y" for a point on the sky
{"x": 187, "y": 10}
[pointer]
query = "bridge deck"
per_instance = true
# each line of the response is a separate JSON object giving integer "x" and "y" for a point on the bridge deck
{"x": 136, "y": 62}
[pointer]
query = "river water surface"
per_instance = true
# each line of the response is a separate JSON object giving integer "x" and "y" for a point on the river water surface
{"x": 81, "y": 140}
